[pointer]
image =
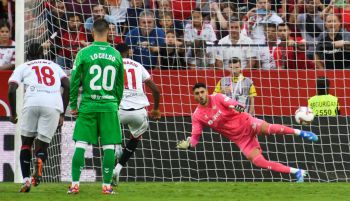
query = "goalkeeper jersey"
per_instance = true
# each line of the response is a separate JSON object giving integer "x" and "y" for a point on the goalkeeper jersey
{"x": 99, "y": 69}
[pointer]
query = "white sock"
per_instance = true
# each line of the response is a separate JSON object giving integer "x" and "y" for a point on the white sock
{"x": 25, "y": 179}
{"x": 75, "y": 183}
{"x": 107, "y": 185}
{"x": 294, "y": 170}
{"x": 297, "y": 131}
{"x": 118, "y": 168}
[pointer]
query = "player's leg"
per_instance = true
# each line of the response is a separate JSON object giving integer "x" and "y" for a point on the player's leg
{"x": 138, "y": 124}
{"x": 47, "y": 126}
{"x": 25, "y": 158}
{"x": 268, "y": 129}
{"x": 29, "y": 125}
{"x": 250, "y": 147}
{"x": 85, "y": 132}
{"x": 111, "y": 136}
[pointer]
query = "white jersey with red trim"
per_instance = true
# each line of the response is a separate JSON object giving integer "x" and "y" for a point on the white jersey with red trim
{"x": 42, "y": 83}
{"x": 134, "y": 77}
{"x": 7, "y": 55}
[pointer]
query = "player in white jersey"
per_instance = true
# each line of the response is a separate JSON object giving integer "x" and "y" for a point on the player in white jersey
{"x": 43, "y": 109}
{"x": 132, "y": 110}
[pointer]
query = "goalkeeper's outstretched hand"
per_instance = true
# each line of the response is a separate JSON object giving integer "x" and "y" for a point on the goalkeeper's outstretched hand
{"x": 184, "y": 144}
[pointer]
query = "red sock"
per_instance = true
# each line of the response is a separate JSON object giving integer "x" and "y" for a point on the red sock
{"x": 261, "y": 162}
{"x": 279, "y": 129}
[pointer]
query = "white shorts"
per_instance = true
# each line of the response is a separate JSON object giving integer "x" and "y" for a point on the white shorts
{"x": 40, "y": 122}
{"x": 136, "y": 120}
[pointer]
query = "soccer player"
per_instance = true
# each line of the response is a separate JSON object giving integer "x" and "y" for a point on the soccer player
{"x": 43, "y": 109}
{"x": 132, "y": 110}
{"x": 226, "y": 116}
{"x": 99, "y": 68}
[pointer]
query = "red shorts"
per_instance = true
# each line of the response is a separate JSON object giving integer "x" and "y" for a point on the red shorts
{"x": 247, "y": 143}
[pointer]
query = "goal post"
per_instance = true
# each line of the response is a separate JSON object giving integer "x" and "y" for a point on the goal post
{"x": 20, "y": 51}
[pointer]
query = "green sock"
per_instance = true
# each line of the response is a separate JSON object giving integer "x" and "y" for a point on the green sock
{"x": 78, "y": 162}
{"x": 108, "y": 165}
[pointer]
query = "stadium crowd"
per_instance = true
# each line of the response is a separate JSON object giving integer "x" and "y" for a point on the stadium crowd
{"x": 190, "y": 34}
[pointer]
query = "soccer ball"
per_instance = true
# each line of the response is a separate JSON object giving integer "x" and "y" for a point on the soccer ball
{"x": 304, "y": 115}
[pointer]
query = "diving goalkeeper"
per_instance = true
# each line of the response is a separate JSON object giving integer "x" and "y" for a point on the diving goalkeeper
{"x": 226, "y": 116}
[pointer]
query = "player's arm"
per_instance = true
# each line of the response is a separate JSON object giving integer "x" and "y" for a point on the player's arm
{"x": 120, "y": 79}
{"x": 65, "y": 97}
{"x": 155, "y": 113}
{"x": 230, "y": 103}
{"x": 12, "y": 99}
{"x": 197, "y": 130}
{"x": 75, "y": 83}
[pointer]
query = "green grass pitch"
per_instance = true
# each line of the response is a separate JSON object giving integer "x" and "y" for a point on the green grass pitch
{"x": 184, "y": 191}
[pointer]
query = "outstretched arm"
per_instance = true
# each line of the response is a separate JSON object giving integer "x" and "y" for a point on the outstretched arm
{"x": 192, "y": 141}
{"x": 12, "y": 99}
{"x": 155, "y": 113}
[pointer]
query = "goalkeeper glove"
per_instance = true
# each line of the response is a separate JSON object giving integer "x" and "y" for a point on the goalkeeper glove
{"x": 184, "y": 144}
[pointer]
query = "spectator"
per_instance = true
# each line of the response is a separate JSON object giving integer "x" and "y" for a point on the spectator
{"x": 56, "y": 17}
{"x": 99, "y": 12}
{"x": 182, "y": 9}
{"x": 269, "y": 56}
{"x": 293, "y": 52}
{"x": 132, "y": 15}
{"x": 145, "y": 40}
{"x": 198, "y": 30}
{"x": 323, "y": 103}
{"x": 164, "y": 9}
{"x": 238, "y": 87}
{"x": 220, "y": 17}
{"x": 7, "y": 55}
{"x": 119, "y": 10}
{"x": 311, "y": 26}
{"x": 245, "y": 53}
{"x": 167, "y": 22}
{"x": 172, "y": 53}
{"x": 257, "y": 19}
{"x": 72, "y": 40}
{"x": 82, "y": 7}
{"x": 333, "y": 49}
{"x": 199, "y": 56}
{"x": 113, "y": 37}
{"x": 342, "y": 8}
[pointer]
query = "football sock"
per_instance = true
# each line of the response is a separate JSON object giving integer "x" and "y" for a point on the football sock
{"x": 25, "y": 158}
{"x": 118, "y": 168}
{"x": 261, "y": 162}
{"x": 280, "y": 129}
{"x": 108, "y": 165}
{"x": 128, "y": 151}
{"x": 77, "y": 163}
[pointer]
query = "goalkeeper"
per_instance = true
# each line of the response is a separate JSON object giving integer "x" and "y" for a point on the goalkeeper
{"x": 226, "y": 116}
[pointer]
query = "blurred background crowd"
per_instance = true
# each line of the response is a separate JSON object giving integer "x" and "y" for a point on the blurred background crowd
{"x": 191, "y": 34}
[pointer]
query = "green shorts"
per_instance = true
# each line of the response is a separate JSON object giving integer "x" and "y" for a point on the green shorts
{"x": 89, "y": 126}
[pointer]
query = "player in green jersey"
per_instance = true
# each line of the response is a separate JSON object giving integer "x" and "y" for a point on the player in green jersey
{"x": 99, "y": 69}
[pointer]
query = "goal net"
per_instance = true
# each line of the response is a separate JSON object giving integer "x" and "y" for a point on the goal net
{"x": 281, "y": 48}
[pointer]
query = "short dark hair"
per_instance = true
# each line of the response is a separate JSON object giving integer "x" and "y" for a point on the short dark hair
{"x": 35, "y": 51}
{"x": 122, "y": 47}
{"x": 101, "y": 26}
{"x": 234, "y": 60}
{"x": 4, "y": 23}
{"x": 322, "y": 83}
{"x": 271, "y": 25}
{"x": 199, "y": 85}
{"x": 71, "y": 15}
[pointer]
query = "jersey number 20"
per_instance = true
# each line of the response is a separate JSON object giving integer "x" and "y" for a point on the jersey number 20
{"x": 108, "y": 77}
